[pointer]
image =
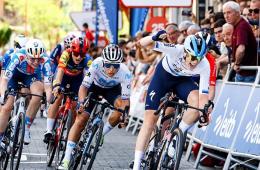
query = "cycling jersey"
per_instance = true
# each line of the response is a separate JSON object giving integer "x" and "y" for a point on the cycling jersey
{"x": 8, "y": 54}
{"x": 174, "y": 63}
{"x": 19, "y": 63}
{"x": 96, "y": 74}
{"x": 55, "y": 56}
{"x": 69, "y": 67}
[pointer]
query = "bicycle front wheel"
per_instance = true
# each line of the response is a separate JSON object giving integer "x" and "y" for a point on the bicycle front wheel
{"x": 90, "y": 152}
{"x": 171, "y": 151}
{"x": 18, "y": 140}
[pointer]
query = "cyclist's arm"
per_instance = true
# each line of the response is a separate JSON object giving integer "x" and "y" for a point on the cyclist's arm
{"x": 87, "y": 81}
{"x": 61, "y": 67}
{"x": 9, "y": 73}
{"x": 204, "y": 83}
{"x": 213, "y": 77}
{"x": 47, "y": 74}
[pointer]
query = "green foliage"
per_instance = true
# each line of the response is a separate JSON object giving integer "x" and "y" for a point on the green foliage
{"x": 5, "y": 34}
{"x": 46, "y": 19}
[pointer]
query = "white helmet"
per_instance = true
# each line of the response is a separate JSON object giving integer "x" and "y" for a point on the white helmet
{"x": 112, "y": 53}
{"x": 20, "y": 41}
{"x": 195, "y": 46}
{"x": 67, "y": 40}
{"x": 35, "y": 48}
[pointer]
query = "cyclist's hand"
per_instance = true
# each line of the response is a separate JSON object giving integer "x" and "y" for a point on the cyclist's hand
{"x": 56, "y": 90}
{"x": 160, "y": 35}
{"x": 80, "y": 107}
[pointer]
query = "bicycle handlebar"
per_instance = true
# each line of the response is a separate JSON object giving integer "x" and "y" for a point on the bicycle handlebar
{"x": 64, "y": 92}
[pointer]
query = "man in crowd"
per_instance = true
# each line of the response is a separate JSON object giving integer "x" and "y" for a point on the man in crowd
{"x": 244, "y": 47}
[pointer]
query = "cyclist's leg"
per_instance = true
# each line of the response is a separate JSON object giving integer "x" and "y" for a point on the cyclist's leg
{"x": 36, "y": 87}
{"x": 187, "y": 90}
{"x": 7, "y": 107}
{"x": 113, "y": 96}
{"x": 5, "y": 114}
{"x": 156, "y": 91}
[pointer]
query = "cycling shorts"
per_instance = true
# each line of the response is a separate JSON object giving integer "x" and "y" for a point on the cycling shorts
{"x": 72, "y": 83}
{"x": 25, "y": 79}
{"x": 110, "y": 94}
{"x": 163, "y": 82}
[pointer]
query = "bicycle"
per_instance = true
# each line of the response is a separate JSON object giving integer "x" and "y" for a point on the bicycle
{"x": 14, "y": 134}
{"x": 56, "y": 146}
{"x": 85, "y": 152}
{"x": 160, "y": 157}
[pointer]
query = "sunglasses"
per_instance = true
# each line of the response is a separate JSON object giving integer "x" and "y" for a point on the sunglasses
{"x": 33, "y": 60}
{"x": 192, "y": 57}
{"x": 75, "y": 54}
{"x": 108, "y": 65}
{"x": 256, "y": 10}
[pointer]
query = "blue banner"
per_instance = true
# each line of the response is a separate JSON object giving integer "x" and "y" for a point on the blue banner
{"x": 138, "y": 16}
{"x": 227, "y": 115}
{"x": 109, "y": 12}
{"x": 248, "y": 139}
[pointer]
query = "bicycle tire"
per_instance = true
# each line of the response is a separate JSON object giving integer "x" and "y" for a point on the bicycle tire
{"x": 97, "y": 131}
{"x": 20, "y": 125}
{"x": 51, "y": 147}
{"x": 62, "y": 142}
{"x": 178, "y": 148}
{"x": 5, "y": 156}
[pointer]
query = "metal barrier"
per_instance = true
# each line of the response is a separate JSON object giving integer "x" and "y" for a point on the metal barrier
{"x": 229, "y": 116}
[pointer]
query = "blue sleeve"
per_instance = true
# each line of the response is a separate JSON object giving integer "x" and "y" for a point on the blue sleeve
{"x": 47, "y": 72}
{"x": 14, "y": 62}
{"x": 56, "y": 53}
{"x": 6, "y": 58}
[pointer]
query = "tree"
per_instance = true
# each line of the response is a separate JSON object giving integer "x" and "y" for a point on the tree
{"x": 46, "y": 19}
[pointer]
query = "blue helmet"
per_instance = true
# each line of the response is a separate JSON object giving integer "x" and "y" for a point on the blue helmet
{"x": 195, "y": 46}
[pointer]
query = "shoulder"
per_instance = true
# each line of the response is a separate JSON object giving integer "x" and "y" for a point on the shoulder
{"x": 97, "y": 63}
{"x": 125, "y": 71}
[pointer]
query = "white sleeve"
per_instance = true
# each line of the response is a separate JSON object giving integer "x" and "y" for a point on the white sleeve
{"x": 90, "y": 75}
{"x": 165, "y": 47}
{"x": 204, "y": 78}
{"x": 126, "y": 86}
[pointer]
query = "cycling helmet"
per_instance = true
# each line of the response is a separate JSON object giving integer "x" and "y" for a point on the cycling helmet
{"x": 35, "y": 48}
{"x": 112, "y": 53}
{"x": 79, "y": 45}
{"x": 206, "y": 36}
{"x": 68, "y": 39}
{"x": 195, "y": 46}
{"x": 20, "y": 41}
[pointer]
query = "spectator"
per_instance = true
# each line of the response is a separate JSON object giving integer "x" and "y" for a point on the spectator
{"x": 173, "y": 33}
{"x": 244, "y": 48}
{"x": 205, "y": 25}
{"x": 225, "y": 49}
{"x": 218, "y": 35}
{"x": 193, "y": 29}
{"x": 87, "y": 33}
{"x": 183, "y": 27}
{"x": 243, "y": 5}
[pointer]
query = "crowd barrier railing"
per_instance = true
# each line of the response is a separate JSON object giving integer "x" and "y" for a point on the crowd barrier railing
{"x": 226, "y": 132}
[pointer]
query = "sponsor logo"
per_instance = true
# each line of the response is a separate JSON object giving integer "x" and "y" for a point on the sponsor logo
{"x": 252, "y": 134}
{"x": 225, "y": 124}
{"x": 152, "y": 93}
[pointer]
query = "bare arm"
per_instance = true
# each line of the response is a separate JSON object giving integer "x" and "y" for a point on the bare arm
{"x": 240, "y": 53}
{"x": 82, "y": 93}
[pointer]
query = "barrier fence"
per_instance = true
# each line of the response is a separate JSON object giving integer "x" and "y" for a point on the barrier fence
{"x": 235, "y": 126}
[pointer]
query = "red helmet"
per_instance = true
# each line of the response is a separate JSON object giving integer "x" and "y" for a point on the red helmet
{"x": 79, "y": 45}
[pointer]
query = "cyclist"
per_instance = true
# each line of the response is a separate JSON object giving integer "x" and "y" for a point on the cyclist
{"x": 56, "y": 53}
{"x": 72, "y": 64}
{"x": 108, "y": 77}
{"x": 26, "y": 68}
{"x": 176, "y": 68}
{"x": 19, "y": 43}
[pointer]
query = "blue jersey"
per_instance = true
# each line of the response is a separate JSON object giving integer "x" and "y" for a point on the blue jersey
{"x": 7, "y": 56}
{"x": 55, "y": 56}
{"x": 19, "y": 63}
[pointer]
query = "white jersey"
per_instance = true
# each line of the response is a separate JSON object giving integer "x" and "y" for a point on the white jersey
{"x": 96, "y": 74}
{"x": 174, "y": 63}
